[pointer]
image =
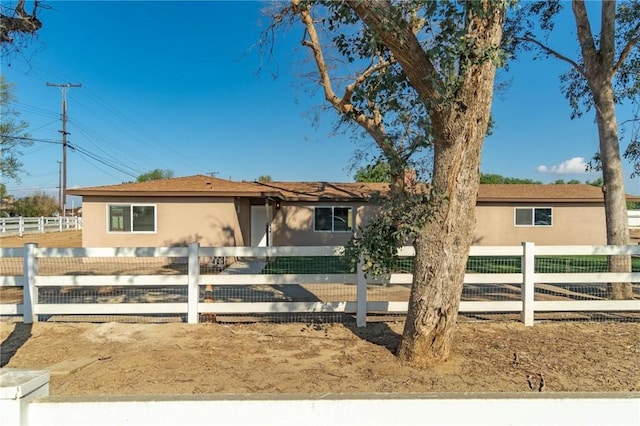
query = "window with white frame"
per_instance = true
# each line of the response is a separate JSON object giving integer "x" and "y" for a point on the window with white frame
{"x": 533, "y": 216}
{"x": 131, "y": 217}
{"x": 333, "y": 219}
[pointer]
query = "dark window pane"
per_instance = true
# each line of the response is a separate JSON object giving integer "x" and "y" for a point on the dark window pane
{"x": 143, "y": 219}
{"x": 342, "y": 219}
{"x": 543, "y": 217}
{"x": 322, "y": 219}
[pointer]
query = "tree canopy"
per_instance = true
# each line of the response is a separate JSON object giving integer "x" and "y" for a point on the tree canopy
{"x": 13, "y": 137}
{"x": 38, "y": 204}
{"x": 413, "y": 76}
{"x": 155, "y": 174}
{"x": 17, "y": 25}
{"x": 378, "y": 172}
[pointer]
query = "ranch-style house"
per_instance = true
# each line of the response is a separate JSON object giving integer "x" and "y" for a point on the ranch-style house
{"x": 219, "y": 212}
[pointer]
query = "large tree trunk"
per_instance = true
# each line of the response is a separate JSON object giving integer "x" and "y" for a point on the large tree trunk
{"x": 442, "y": 248}
{"x": 441, "y": 256}
{"x": 459, "y": 119}
{"x": 615, "y": 200}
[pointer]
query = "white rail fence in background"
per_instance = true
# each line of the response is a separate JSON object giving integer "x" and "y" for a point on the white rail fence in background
{"x": 634, "y": 218}
{"x": 525, "y": 286}
{"x": 38, "y": 225}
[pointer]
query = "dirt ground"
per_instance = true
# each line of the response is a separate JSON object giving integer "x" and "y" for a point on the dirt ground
{"x": 178, "y": 358}
{"x": 49, "y": 239}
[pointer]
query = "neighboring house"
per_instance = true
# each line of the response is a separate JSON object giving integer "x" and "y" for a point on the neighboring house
{"x": 214, "y": 212}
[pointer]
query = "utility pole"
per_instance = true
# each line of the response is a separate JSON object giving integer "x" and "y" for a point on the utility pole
{"x": 63, "y": 191}
{"x": 60, "y": 203}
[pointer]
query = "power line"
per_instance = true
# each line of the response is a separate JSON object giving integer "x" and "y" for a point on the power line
{"x": 24, "y": 138}
{"x": 100, "y": 160}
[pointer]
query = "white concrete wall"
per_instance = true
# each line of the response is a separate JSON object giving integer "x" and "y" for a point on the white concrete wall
{"x": 352, "y": 410}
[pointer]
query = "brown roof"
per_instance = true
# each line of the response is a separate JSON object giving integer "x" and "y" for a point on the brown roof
{"x": 540, "y": 193}
{"x": 206, "y": 186}
{"x": 309, "y": 191}
{"x": 189, "y": 186}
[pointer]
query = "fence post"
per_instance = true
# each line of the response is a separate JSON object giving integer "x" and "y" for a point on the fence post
{"x": 527, "y": 291}
{"x": 41, "y": 224}
{"x": 20, "y": 226}
{"x": 193, "y": 291}
{"x": 29, "y": 290}
{"x": 361, "y": 296}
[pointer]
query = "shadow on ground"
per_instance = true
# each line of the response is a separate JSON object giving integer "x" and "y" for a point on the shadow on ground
{"x": 14, "y": 342}
{"x": 378, "y": 333}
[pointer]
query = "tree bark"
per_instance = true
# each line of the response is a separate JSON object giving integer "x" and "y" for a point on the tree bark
{"x": 459, "y": 125}
{"x": 615, "y": 199}
{"x": 599, "y": 70}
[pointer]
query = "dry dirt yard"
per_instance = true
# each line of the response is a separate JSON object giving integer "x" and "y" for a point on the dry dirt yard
{"x": 177, "y": 358}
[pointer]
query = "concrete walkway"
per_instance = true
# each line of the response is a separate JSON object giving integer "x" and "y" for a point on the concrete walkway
{"x": 246, "y": 267}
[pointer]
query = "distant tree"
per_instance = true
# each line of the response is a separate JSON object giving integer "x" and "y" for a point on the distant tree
{"x": 574, "y": 182}
{"x": 605, "y": 73}
{"x": 596, "y": 182}
{"x": 265, "y": 178}
{"x": 3, "y": 191}
{"x": 489, "y": 178}
{"x": 155, "y": 174}
{"x": 559, "y": 182}
{"x": 377, "y": 172}
{"x": 12, "y": 135}
{"x": 39, "y": 204}
{"x": 17, "y": 25}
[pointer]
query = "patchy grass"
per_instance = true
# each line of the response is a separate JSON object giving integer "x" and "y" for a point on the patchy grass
{"x": 48, "y": 239}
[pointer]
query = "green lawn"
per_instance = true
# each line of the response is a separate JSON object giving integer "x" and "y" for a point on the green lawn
{"x": 477, "y": 264}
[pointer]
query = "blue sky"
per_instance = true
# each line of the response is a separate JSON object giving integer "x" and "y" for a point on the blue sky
{"x": 177, "y": 86}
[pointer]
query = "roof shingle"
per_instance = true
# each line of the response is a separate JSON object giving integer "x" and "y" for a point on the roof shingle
{"x": 202, "y": 185}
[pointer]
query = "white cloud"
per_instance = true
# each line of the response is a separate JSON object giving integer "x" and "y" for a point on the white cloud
{"x": 573, "y": 165}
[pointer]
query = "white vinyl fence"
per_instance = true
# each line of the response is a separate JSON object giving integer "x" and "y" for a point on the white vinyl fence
{"x": 634, "y": 218}
{"x": 192, "y": 283}
{"x": 38, "y": 225}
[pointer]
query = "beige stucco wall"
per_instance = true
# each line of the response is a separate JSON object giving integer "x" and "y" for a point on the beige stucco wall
{"x": 215, "y": 222}
{"x": 180, "y": 221}
{"x": 573, "y": 224}
{"x": 293, "y": 224}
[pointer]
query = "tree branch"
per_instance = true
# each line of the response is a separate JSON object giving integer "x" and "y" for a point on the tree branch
{"x": 22, "y": 22}
{"x": 607, "y": 33}
{"x": 405, "y": 47}
{"x": 552, "y": 52}
{"x": 374, "y": 125}
{"x": 585, "y": 37}
{"x": 633, "y": 40}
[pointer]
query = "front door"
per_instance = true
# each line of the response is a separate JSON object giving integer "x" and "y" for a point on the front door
{"x": 258, "y": 226}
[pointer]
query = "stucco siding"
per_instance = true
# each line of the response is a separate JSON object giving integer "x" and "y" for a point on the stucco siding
{"x": 573, "y": 224}
{"x": 180, "y": 221}
{"x": 293, "y": 224}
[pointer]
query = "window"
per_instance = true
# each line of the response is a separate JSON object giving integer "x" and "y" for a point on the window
{"x": 333, "y": 219}
{"x": 131, "y": 218}
{"x": 533, "y": 216}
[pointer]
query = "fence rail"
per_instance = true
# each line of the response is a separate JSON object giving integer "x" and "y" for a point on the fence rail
{"x": 191, "y": 282}
{"x": 38, "y": 225}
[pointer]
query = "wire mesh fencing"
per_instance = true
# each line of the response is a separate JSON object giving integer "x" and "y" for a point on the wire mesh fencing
{"x": 289, "y": 288}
